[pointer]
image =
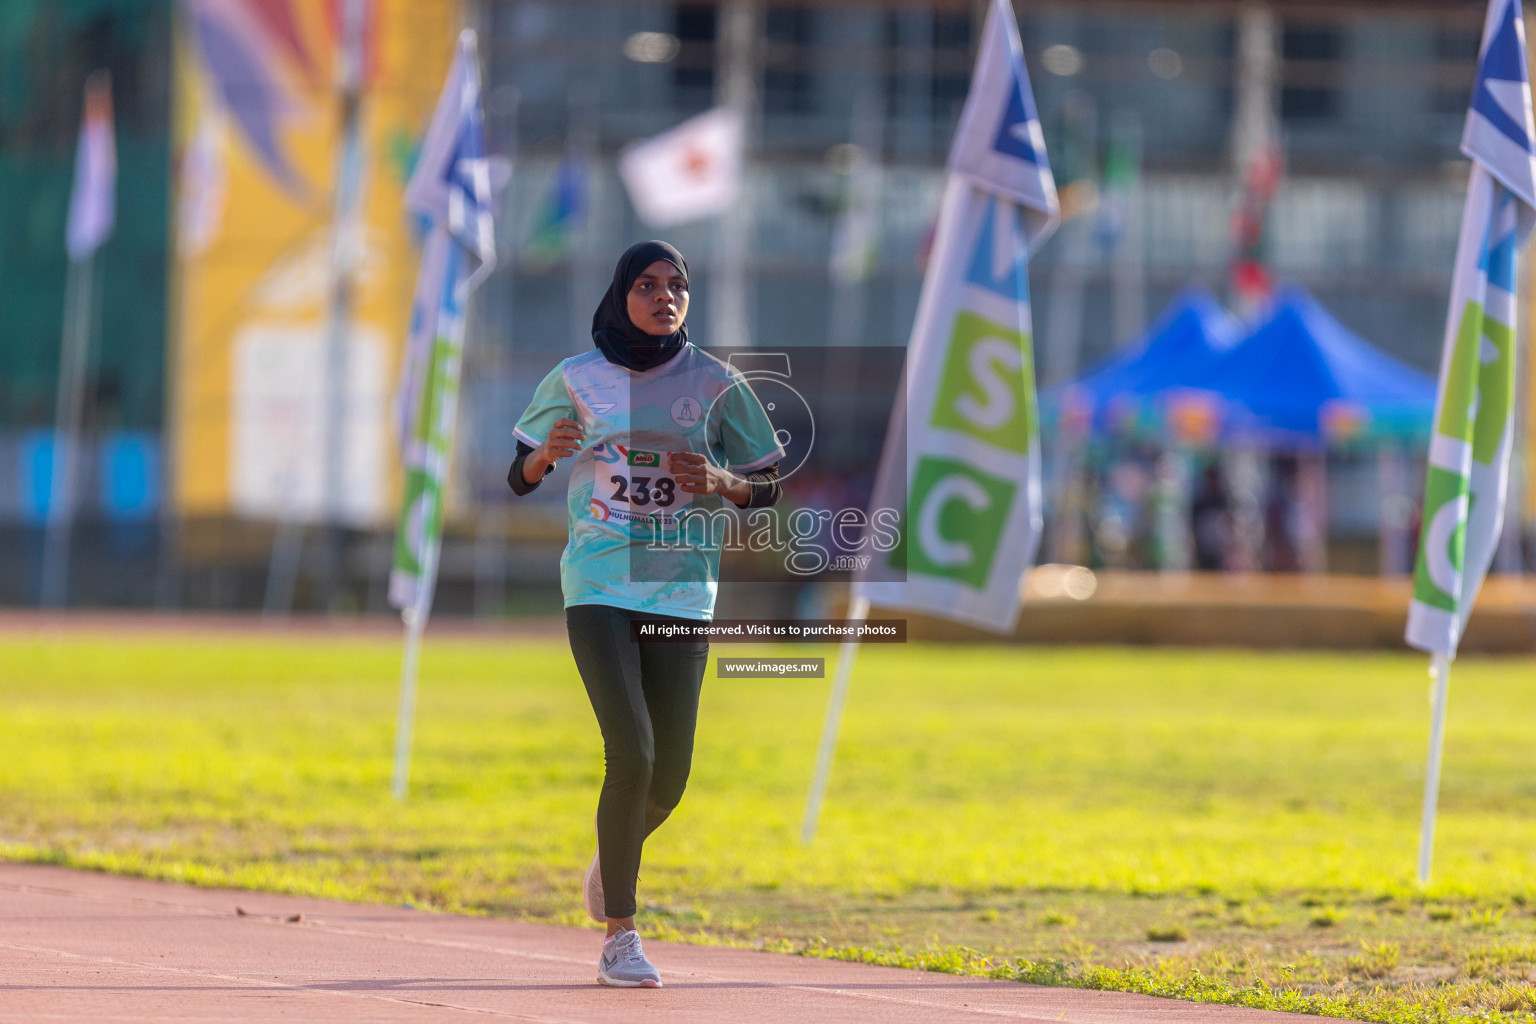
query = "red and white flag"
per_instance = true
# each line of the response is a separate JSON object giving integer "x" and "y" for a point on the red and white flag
{"x": 688, "y": 172}
{"x": 92, "y": 204}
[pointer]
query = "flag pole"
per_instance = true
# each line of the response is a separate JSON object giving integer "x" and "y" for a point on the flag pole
{"x": 858, "y": 611}
{"x": 1440, "y": 672}
{"x": 740, "y": 33}
{"x": 415, "y": 615}
{"x": 345, "y": 259}
{"x": 854, "y": 238}
{"x": 92, "y": 211}
{"x": 405, "y": 722}
{"x": 73, "y": 356}
{"x": 581, "y": 146}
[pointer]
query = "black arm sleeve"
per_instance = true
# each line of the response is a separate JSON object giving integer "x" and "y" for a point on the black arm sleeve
{"x": 515, "y": 479}
{"x": 765, "y": 486}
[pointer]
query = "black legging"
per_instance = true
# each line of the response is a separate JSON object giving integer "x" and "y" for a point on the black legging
{"x": 646, "y": 697}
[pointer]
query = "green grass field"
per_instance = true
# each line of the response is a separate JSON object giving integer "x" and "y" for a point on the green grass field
{"x": 1108, "y": 817}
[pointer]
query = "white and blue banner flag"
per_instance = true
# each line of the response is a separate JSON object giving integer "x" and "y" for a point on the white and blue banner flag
{"x": 1468, "y": 473}
{"x": 451, "y": 188}
{"x": 966, "y": 482}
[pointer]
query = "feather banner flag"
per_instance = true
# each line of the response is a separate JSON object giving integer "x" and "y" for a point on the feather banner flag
{"x": 451, "y": 187}
{"x": 960, "y": 473}
{"x": 964, "y": 468}
{"x": 1467, "y": 479}
{"x": 1468, "y": 475}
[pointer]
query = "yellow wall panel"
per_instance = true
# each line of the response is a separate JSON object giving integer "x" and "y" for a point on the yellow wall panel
{"x": 258, "y": 142}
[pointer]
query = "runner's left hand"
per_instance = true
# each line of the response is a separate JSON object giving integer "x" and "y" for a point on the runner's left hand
{"x": 693, "y": 472}
{"x": 696, "y": 475}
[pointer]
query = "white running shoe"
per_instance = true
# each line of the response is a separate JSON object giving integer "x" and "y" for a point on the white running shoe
{"x": 623, "y": 963}
{"x": 592, "y": 890}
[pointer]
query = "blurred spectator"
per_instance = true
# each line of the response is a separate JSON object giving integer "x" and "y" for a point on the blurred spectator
{"x": 1283, "y": 519}
{"x": 1211, "y": 521}
{"x": 1121, "y": 520}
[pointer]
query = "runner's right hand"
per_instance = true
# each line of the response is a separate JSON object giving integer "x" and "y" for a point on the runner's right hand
{"x": 564, "y": 440}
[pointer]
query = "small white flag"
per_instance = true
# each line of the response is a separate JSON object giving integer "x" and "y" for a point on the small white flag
{"x": 688, "y": 172}
{"x": 92, "y": 204}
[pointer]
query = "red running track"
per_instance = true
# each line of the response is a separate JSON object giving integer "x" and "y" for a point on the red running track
{"x": 80, "y": 946}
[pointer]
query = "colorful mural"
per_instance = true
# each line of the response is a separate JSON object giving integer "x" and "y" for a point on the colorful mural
{"x": 259, "y": 140}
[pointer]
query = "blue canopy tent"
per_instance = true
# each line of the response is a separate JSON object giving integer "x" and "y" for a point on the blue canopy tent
{"x": 1298, "y": 382}
{"x": 1120, "y": 394}
{"x": 1300, "y": 379}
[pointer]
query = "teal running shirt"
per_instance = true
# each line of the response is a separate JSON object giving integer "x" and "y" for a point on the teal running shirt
{"x": 620, "y": 491}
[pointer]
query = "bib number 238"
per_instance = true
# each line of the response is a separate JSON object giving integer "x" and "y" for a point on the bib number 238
{"x": 641, "y": 491}
{"x": 635, "y": 481}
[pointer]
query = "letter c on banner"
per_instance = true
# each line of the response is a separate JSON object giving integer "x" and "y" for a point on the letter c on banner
{"x": 983, "y": 359}
{"x": 937, "y": 548}
{"x": 1443, "y": 525}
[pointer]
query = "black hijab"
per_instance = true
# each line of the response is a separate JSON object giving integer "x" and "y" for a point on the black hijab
{"x": 619, "y": 339}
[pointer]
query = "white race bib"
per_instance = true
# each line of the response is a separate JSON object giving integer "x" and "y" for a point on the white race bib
{"x": 632, "y": 485}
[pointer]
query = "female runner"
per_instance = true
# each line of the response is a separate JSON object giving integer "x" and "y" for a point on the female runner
{"x": 651, "y": 420}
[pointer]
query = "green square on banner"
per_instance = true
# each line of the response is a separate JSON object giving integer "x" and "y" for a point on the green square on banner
{"x": 982, "y": 392}
{"x": 955, "y": 521}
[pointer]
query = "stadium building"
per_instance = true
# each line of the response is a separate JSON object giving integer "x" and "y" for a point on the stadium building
{"x": 1162, "y": 102}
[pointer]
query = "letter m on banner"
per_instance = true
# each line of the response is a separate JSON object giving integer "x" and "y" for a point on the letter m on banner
{"x": 962, "y": 459}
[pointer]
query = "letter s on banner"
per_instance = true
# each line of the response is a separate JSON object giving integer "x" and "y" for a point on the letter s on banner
{"x": 984, "y": 356}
